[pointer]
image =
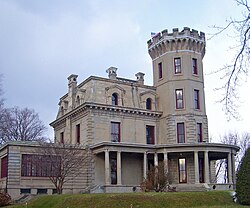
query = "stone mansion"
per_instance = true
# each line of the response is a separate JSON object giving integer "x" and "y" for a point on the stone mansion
{"x": 130, "y": 126}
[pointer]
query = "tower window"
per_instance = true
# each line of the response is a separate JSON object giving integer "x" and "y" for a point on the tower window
{"x": 114, "y": 99}
{"x": 177, "y": 65}
{"x": 115, "y": 132}
{"x": 179, "y": 99}
{"x": 196, "y": 99}
{"x": 180, "y": 132}
{"x": 150, "y": 134}
{"x": 149, "y": 104}
{"x": 194, "y": 66}
{"x": 160, "y": 70}
{"x": 78, "y": 133}
{"x": 77, "y": 100}
{"x": 199, "y": 132}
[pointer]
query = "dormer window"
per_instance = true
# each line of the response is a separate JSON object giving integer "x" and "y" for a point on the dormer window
{"x": 77, "y": 100}
{"x": 62, "y": 110}
{"x": 149, "y": 104}
{"x": 114, "y": 99}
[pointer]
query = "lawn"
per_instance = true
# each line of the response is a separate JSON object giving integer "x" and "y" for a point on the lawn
{"x": 213, "y": 199}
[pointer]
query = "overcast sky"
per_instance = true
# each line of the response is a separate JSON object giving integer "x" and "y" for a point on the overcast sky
{"x": 42, "y": 42}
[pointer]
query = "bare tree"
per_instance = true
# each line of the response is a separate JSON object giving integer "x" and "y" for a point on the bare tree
{"x": 66, "y": 162}
{"x": 20, "y": 124}
{"x": 157, "y": 179}
{"x": 237, "y": 70}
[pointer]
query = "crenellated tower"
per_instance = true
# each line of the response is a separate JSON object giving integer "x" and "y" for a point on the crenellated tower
{"x": 178, "y": 78}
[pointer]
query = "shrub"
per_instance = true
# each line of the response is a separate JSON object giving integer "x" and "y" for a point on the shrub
{"x": 243, "y": 180}
{"x": 4, "y": 199}
{"x": 157, "y": 179}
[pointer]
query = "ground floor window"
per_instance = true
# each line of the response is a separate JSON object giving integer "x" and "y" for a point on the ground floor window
{"x": 113, "y": 168}
{"x": 40, "y": 165}
{"x": 4, "y": 167}
{"x": 182, "y": 170}
{"x": 201, "y": 170}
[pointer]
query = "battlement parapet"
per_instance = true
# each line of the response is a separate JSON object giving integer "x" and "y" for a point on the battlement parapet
{"x": 186, "y": 39}
{"x": 185, "y": 33}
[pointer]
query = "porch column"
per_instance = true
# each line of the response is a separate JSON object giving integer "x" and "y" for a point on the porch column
{"x": 166, "y": 163}
{"x": 145, "y": 165}
{"x": 119, "y": 168}
{"x": 229, "y": 167}
{"x": 233, "y": 169}
{"x": 156, "y": 159}
{"x": 107, "y": 171}
{"x": 206, "y": 171}
{"x": 196, "y": 167}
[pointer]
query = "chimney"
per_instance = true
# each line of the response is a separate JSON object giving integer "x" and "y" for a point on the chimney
{"x": 112, "y": 72}
{"x": 72, "y": 84}
{"x": 140, "y": 78}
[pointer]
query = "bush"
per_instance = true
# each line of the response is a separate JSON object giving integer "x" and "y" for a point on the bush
{"x": 243, "y": 180}
{"x": 4, "y": 199}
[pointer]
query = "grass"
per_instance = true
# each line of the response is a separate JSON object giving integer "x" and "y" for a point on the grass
{"x": 213, "y": 199}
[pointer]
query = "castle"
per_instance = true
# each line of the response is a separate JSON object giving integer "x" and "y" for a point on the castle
{"x": 130, "y": 126}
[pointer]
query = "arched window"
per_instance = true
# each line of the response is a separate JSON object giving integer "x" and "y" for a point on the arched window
{"x": 114, "y": 99}
{"x": 149, "y": 104}
{"x": 77, "y": 100}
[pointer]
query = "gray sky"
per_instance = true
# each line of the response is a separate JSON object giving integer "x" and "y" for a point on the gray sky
{"x": 42, "y": 42}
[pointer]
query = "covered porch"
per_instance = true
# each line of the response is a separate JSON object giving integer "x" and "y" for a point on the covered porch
{"x": 121, "y": 167}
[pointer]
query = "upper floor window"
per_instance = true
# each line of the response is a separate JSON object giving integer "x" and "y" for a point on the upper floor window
{"x": 150, "y": 134}
{"x": 199, "y": 132}
{"x": 160, "y": 70}
{"x": 180, "y": 132}
{"x": 149, "y": 104}
{"x": 115, "y": 132}
{"x": 182, "y": 170}
{"x": 4, "y": 167}
{"x": 114, "y": 99}
{"x": 62, "y": 110}
{"x": 194, "y": 66}
{"x": 196, "y": 99}
{"x": 179, "y": 99}
{"x": 78, "y": 133}
{"x": 177, "y": 65}
{"x": 62, "y": 137}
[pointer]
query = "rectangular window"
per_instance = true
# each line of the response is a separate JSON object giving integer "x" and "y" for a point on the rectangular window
{"x": 78, "y": 133}
{"x": 25, "y": 191}
{"x": 194, "y": 66}
{"x": 42, "y": 191}
{"x": 115, "y": 132}
{"x": 150, "y": 134}
{"x": 177, "y": 65}
{"x": 160, "y": 70}
{"x": 182, "y": 170}
{"x": 201, "y": 170}
{"x": 113, "y": 167}
{"x": 179, "y": 99}
{"x": 196, "y": 99}
{"x": 199, "y": 132}
{"x": 40, "y": 165}
{"x": 62, "y": 137}
{"x": 4, "y": 167}
{"x": 180, "y": 132}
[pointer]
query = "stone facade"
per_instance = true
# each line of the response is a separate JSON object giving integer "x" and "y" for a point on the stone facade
{"x": 130, "y": 126}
